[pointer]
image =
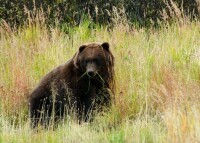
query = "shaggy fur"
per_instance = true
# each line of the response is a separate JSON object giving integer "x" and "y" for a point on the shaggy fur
{"x": 81, "y": 85}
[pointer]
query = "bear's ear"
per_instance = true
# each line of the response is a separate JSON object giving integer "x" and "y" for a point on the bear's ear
{"x": 76, "y": 62}
{"x": 105, "y": 46}
{"x": 81, "y": 48}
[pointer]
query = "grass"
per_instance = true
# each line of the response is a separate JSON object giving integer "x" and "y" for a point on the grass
{"x": 157, "y": 83}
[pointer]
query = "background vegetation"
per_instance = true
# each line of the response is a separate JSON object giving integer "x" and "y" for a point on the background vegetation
{"x": 73, "y": 12}
{"x": 157, "y": 78}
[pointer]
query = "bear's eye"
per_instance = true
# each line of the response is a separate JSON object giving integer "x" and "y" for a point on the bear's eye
{"x": 97, "y": 61}
{"x": 86, "y": 61}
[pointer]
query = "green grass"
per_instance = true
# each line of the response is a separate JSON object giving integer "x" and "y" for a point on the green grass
{"x": 157, "y": 83}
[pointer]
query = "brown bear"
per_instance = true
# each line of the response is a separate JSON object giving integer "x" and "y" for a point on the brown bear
{"x": 83, "y": 84}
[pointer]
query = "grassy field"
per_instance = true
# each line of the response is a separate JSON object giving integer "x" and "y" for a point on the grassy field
{"x": 157, "y": 83}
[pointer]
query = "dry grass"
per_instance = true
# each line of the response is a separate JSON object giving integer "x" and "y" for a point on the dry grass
{"x": 157, "y": 82}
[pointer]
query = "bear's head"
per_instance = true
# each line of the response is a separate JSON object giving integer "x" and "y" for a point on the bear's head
{"x": 95, "y": 59}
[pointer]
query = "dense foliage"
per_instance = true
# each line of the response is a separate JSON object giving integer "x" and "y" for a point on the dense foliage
{"x": 142, "y": 13}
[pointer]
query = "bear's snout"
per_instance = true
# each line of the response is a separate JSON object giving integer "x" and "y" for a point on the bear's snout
{"x": 91, "y": 73}
{"x": 91, "y": 70}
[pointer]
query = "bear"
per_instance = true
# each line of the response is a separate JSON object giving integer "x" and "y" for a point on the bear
{"x": 82, "y": 85}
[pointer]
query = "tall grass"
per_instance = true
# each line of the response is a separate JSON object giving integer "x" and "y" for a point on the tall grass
{"x": 157, "y": 82}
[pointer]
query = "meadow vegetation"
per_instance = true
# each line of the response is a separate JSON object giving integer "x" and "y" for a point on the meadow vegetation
{"x": 157, "y": 74}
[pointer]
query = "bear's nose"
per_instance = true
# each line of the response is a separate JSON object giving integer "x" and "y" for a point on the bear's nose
{"x": 91, "y": 73}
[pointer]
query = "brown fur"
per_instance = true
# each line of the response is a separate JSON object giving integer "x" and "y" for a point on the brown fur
{"x": 80, "y": 85}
